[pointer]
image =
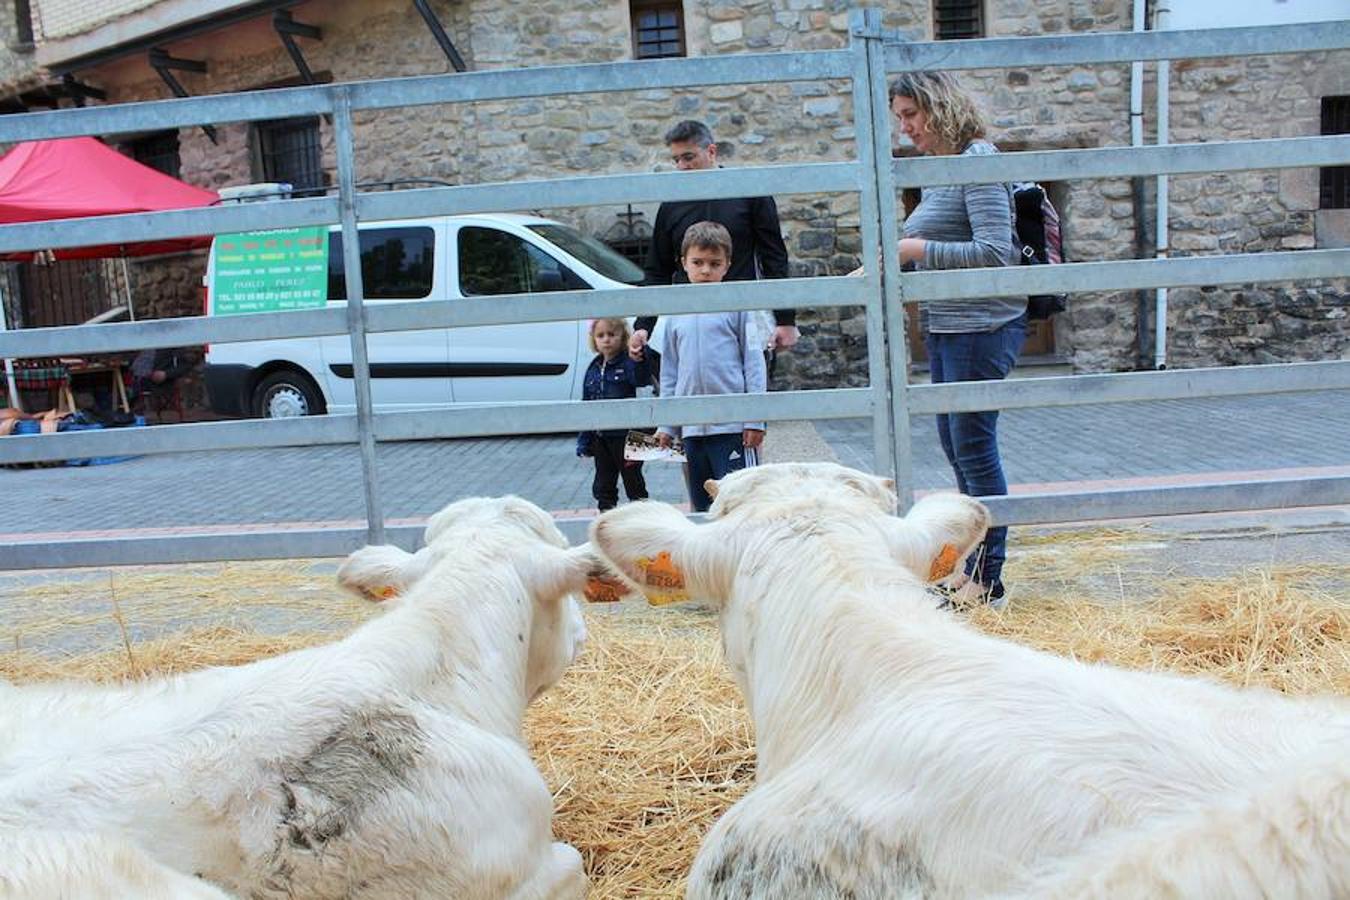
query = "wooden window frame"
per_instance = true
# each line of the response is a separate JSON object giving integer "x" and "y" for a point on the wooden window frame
{"x": 637, "y": 7}
{"x": 263, "y": 133}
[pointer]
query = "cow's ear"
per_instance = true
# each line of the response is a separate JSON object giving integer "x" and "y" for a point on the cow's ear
{"x": 551, "y": 572}
{"x": 382, "y": 571}
{"x": 664, "y": 556}
{"x": 937, "y": 534}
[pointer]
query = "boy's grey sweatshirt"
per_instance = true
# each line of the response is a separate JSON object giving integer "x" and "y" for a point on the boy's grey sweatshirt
{"x": 711, "y": 353}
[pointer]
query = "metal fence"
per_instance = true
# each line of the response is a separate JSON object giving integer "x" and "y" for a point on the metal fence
{"x": 888, "y": 400}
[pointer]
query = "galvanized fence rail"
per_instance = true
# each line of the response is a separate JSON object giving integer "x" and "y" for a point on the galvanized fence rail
{"x": 888, "y": 400}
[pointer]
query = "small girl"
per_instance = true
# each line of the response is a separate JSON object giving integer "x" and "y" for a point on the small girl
{"x": 612, "y": 375}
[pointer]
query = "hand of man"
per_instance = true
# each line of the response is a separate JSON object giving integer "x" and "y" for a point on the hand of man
{"x": 752, "y": 438}
{"x": 635, "y": 345}
{"x": 785, "y": 336}
{"x": 664, "y": 440}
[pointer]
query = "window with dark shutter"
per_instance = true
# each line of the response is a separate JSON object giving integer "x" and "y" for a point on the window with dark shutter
{"x": 23, "y": 24}
{"x": 288, "y": 150}
{"x": 658, "y": 29}
{"x": 1335, "y": 179}
{"x": 955, "y": 20}
{"x": 158, "y": 151}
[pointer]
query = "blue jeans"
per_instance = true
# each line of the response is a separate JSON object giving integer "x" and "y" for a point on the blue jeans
{"x": 713, "y": 456}
{"x": 970, "y": 440}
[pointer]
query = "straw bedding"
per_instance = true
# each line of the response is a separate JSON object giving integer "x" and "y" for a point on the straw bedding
{"x": 645, "y": 742}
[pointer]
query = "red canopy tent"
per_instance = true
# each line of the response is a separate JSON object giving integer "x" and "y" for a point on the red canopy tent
{"x": 76, "y": 177}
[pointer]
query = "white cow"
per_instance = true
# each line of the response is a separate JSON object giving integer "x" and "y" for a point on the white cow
{"x": 389, "y": 764}
{"x": 902, "y": 753}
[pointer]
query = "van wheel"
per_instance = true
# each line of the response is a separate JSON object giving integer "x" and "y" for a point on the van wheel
{"x": 286, "y": 395}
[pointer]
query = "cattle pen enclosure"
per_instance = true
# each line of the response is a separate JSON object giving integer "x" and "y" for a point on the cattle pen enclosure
{"x": 872, "y": 176}
{"x": 645, "y": 741}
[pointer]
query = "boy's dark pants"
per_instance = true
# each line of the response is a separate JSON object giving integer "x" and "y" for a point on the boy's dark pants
{"x": 714, "y": 456}
{"x": 609, "y": 467}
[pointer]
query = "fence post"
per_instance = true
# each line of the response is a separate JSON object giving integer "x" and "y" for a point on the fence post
{"x": 887, "y": 356}
{"x": 356, "y": 311}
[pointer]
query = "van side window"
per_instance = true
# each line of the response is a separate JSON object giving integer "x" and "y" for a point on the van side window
{"x": 495, "y": 262}
{"x": 396, "y": 263}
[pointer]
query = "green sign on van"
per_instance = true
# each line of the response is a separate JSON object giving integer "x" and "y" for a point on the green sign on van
{"x": 271, "y": 271}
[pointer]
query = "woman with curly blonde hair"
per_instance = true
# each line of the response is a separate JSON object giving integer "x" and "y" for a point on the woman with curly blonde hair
{"x": 962, "y": 227}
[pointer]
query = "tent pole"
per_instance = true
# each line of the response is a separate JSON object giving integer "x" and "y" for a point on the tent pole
{"x": 126, "y": 283}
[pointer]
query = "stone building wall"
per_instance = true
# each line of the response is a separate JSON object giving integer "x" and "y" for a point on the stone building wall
{"x": 1033, "y": 108}
{"x": 1253, "y": 212}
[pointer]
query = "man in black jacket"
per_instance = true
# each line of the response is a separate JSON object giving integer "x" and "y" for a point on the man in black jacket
{"x": 757, "y": 248}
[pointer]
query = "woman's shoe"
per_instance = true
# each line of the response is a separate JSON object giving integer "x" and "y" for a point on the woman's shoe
{"x": 972, "y": 592}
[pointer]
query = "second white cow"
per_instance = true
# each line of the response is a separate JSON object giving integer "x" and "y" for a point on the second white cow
{"x": 902, "y": 754}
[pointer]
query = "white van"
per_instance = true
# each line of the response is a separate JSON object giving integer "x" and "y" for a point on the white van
{"x": 441, "y": 258}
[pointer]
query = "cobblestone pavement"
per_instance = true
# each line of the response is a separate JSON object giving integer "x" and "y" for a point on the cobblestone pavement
{"x": 1126, "y": 443}
{"x": 1138, "y": 443}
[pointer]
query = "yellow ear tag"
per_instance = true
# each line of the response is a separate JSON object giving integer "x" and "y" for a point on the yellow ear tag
{"x": 388, "y": 592}
{"x": 603, "y": 590}
{"x": 944, "y": 564}
{"x": 664, "y": 582}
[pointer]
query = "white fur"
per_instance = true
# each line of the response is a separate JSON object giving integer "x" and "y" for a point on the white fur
{"x": 1287, "y": 838}
{"x": 389, "y": 764}
{"x": 902, "y": 753}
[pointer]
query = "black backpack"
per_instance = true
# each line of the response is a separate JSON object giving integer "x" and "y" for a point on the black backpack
{"x": 1037, "y": 231}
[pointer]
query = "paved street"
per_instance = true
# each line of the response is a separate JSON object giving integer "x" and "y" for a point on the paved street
{"x": 1123, "y": 443}
{"x": 1084, "y": 447}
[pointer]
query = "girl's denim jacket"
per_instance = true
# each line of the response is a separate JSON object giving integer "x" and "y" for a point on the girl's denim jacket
{"x": 616, "y": 379}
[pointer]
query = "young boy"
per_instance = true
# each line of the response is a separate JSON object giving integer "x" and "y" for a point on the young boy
{"x": 711, "y": 353}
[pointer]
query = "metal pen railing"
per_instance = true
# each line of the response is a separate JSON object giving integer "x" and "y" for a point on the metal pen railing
{"x": 888, "y": 400}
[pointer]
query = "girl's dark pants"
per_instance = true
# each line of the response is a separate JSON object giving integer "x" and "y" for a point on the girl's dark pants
{"x": 609, "y": 468}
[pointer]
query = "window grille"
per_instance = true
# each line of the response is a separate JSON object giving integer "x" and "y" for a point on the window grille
{"x": 630, "y": 237}
{"x": 1335, "y": 179}
{"x": 957, "y": 19}
{"x": 288, "y": 151}
{"x": 158, "y": 151}
{"x": 658, "y": 29}
{"x": 633, "y": 249}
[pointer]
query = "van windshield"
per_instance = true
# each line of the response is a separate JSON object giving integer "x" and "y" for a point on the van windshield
{"x": 590, "y": 251}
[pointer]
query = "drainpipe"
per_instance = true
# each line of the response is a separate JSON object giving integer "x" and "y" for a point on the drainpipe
{"x": 8, "y": 365}
{"x": 1164, "y": 123}
{"x": 1141, "y": 241}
